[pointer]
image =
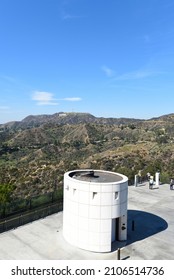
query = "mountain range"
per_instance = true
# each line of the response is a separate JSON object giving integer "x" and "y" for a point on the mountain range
{"x": 37, "y": 151}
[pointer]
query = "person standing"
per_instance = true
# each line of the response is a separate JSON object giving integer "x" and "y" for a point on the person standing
{"x": 171, "y": 184}
{"x": 151, "y": 182}
{"x": 148, "y": 176}
{"x": 139, "y": 176}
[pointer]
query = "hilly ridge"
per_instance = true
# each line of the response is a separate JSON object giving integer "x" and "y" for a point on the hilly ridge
{"x": 35, "y": 153}
{"x": 65, "y": 118}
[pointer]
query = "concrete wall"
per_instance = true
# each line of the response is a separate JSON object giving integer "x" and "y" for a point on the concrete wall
{"x": 89, "y": 212}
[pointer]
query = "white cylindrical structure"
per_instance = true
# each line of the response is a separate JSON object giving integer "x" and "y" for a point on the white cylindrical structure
{"x": 157, "y": 178}
{"x": 136, "y": 181}
{"x": 95, "y": 209}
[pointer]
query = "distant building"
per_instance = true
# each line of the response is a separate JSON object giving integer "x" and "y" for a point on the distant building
{"x": 95, "y": 209}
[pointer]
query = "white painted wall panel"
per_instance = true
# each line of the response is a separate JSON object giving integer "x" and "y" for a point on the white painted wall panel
{"x": 84, "y": 197}
{"x": 106, "y": 212}
{"x": 106, "y": 199}
{"x": 94, "y": 225}
{"x": 83, "y": 210}
{"x": 105, "y": 225}
{"x": 83, "y": 223}
{"x": 94, "y": 212}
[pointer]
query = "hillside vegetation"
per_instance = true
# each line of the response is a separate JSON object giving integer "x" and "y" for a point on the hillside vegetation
{"x": 35, "y": 153}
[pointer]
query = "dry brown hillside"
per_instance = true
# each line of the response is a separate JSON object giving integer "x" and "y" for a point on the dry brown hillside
{"x": 35, "y": 153}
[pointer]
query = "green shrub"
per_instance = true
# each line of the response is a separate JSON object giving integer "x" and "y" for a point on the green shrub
{"x": 164, "y": 178}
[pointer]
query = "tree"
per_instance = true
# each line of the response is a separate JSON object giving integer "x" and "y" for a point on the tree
{"x": 5, "y": 196}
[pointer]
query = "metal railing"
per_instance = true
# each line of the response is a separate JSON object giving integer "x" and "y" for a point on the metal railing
{"x": 18, "y": 206}
{"x": 22, "y": 211}
{"x": 15, "y": 221}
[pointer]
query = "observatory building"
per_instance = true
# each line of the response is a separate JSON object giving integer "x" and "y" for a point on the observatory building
{"x": 95, "y": 209}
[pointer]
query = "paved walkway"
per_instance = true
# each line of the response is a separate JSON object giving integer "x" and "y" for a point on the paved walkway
{"x": 150, "y": 232}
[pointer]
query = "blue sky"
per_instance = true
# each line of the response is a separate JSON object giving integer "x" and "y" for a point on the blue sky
{"x": 111, "y": 58}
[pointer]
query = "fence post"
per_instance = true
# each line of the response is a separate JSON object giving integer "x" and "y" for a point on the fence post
{"x": 118, "y": 254}
{"x": 30, "y": 204}
{"x": 136, "y": 180}
{"x": 5, "y": 225}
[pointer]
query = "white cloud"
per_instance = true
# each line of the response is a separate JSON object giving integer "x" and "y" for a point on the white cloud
{"x": 44, "y": 98}
{"x": 136, "y": 75}
{"x": 68, "y": 16}
{"x": 72, "y": 99}
{"x": 47, "y": 98}
{"x": 108, "y": 71}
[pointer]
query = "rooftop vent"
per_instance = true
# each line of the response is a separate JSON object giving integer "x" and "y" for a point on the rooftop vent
{"x": 89, "y": 173}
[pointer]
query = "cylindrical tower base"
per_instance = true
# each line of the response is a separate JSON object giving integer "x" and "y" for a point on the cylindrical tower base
{"x": 95, "y": 209}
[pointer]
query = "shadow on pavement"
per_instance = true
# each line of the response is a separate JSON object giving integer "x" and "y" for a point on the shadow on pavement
{"x": 140, "y": 225}
{"x": 143, "y": 224}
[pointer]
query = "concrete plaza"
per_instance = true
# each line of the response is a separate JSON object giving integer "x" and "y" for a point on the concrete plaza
{"x": 150, "y": 232}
